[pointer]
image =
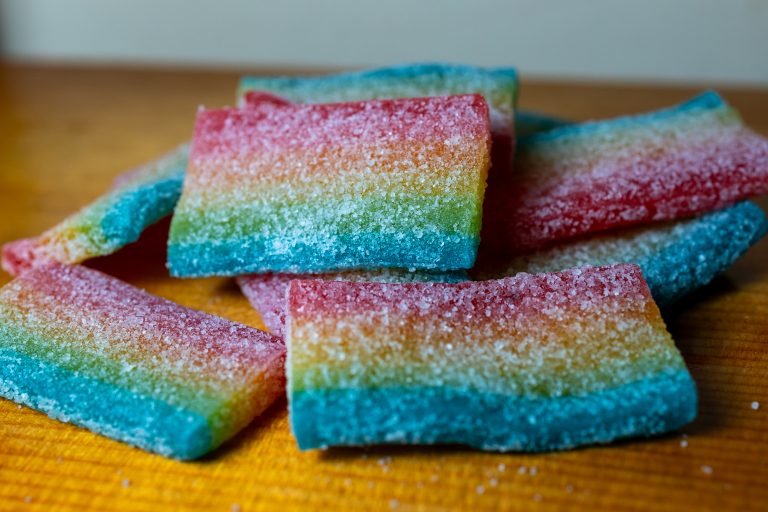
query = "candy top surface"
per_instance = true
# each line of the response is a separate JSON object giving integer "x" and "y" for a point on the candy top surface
{"x": 434, "y": 145}
{"x": 497, "y": 85}
{"x": 85, "y": 321}
{"x": 567, "y": 333}
{"x": 228, "y": 133}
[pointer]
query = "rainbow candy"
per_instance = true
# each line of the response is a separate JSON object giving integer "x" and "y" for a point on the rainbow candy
{"x": 590, "y": 177}
{"x": 676, "y": 256}
{"x": 267, "y": 292}
{"x": 531, "y": 362}
{"x": 499, "y": 87}
{"x": 329, "y": 187}
{"x": 138, "y": 199}
{"x": 86, "y": 348}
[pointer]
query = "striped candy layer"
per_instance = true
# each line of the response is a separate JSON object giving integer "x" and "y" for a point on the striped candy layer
{"x": 676, "y": 257}
{"x": 498, "y": 86}
{"x": 532, "y": 362}
{"x": 590, "y": 177}
{"x": 267, "y": 292}
{"x": 314, "y": 188}
{"x": 138, "y": 199}
{"x": 89, "y": 349}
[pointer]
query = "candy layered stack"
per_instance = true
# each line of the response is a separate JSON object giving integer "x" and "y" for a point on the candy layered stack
{"x": 266, "y": 292}
{"x": 676, "y": 257}
{"x": 139, "y": 198}
{"x": 86, "y": 348}
{"x": 360, "y": 197}
{"x": 542, "y": 362}
{"x": 311, "y": 188}
{"x": 590, "y": 177}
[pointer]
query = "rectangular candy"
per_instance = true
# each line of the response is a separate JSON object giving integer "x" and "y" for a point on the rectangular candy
{"x": 86, "y": 348}
{"x": 676, "y": 256}
{"x": 267, "y": 292}
{"x": 498, "y": 86}
{"x": 138, "y": 199}
{"x": 530, "y": 363}
{"x": 330, "y": 187}
{"x": 584, "y": 178}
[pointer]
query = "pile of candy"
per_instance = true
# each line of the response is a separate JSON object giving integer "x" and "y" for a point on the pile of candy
{"x": 427, "y": 275}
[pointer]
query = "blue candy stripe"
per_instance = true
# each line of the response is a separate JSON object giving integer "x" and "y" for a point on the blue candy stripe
{"x": 436, "y": 415}
{"x": 115, "y": 412}
{"x": 257, "y": 254}
{"x": 713, "y": 243}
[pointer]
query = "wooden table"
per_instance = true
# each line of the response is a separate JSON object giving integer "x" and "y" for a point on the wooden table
{"x": 65, "y": 133}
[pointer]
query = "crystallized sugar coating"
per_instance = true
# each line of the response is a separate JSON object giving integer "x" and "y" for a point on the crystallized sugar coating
{"x": 676, "y": 257}
{"x": 531, "y": 362}
{"x": 138, "y": 199}
{"x": 86, "y": 348}
{"x": 590, "y": 177}
{"x": 267, "y": 292}
{"x": 498, "y": 86}
{"x": 316, "y": 188}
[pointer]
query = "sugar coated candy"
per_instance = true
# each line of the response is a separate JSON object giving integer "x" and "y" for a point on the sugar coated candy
{"x": 86, "y": 348}
{"x": 584, "y": 178}
{"x": 330, "y": 187}
{"x": 531, "y": 362}
{"x": 138, "y": 198}
{"x": 676, "y": 256}
{"x": 497, "y": 85}
{"x": 267, "y": 292}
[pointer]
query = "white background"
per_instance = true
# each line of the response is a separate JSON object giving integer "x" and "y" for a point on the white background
{"x": 712, "y": 41}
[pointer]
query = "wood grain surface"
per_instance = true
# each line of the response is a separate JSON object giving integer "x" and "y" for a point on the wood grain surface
{"x": 66, "y": 133}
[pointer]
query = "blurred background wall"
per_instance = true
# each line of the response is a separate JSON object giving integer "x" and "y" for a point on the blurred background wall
{"x": 704, "y": 41}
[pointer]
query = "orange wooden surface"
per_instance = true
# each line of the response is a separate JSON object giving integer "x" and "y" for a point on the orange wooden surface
{"x": 65, "y": 134}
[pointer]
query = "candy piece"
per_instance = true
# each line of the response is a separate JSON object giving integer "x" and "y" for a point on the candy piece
{"x": 528, "y": 123}
{"x": 676, "y": 257}
{"x": 138, "y": 198}
{"x": 328, "y": 187}
{"x": 266, "y": 292}
{"x": 86, "y": 348}
{"x": 590, "y": 177}
{"x": 530, "y": 363}
{"x": 497, "y": 85}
